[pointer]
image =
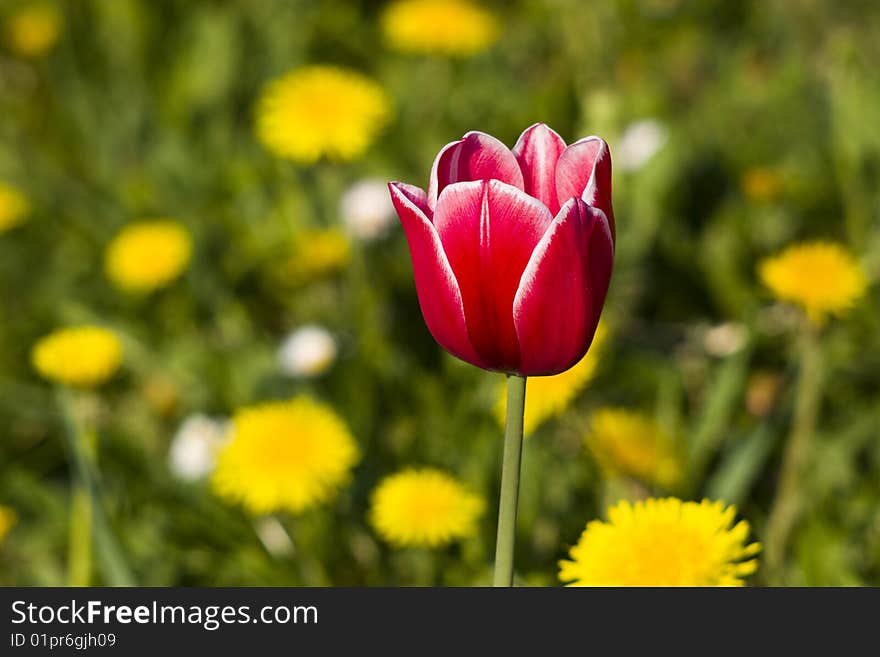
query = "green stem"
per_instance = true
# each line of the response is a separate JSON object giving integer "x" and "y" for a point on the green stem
{"x": 787, "y": 506}
{"x": 113, "y": 563}
{"x": 714, "y": 420}
{"x": 79, "y": 556}
{"x": 513, "y": 436}
{"x": 307, "y": 533}
{"x": 313, "y": 182}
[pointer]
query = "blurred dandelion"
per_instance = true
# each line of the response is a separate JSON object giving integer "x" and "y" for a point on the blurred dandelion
{"x": 439, "y": 27}
{"x": 307, "y": 351}
{"x": 424, "y": 508}
{"x": 284, "y": 455}
{"x": 8, "y": 518}
{"x": 823, "y": 278}
{"x": 663, "y": 542}
{"x": 366, "y": 209}
{"x": 761, "y": 184}
{"x": 13, "y": 207}
{"x": 629, "y": 443}
{"x": 321, "y": 111}
{"x": 762, "y": 392}
{"x": 162, "y": 394}
{"x": 639, "y": 143}
{"x": 148, "y": 255}
{"x": 193, "y": 452}
{"x": 82, "y": 356}
{"x": 549, "y": 396}
{"x": 316, "y": 254}
{"x": 34, "y": 29}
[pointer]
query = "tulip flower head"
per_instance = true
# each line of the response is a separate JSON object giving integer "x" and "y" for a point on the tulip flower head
{"x": 512, "y": 250}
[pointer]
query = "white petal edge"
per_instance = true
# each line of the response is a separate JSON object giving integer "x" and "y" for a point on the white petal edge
{"x": 434, "y": 183}
{"x": 517, "y": 148}
{"x": 538, "y": 254}
{"x": 589, "y": 194}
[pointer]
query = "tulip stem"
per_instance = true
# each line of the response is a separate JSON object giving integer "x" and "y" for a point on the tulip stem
{"x": 513, "y": 437}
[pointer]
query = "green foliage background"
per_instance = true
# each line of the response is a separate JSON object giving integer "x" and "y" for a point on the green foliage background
{"x": 145, "y": 108}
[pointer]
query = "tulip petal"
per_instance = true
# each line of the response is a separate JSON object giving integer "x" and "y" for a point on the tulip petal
{"x": 476, "y": 156}
{"x": 584, "y": 171}
{"x": 557, "y": 306}
{"x": 436, "y": 285}
{"x": 489, "y": 230}
{"x": 537, "y": 152}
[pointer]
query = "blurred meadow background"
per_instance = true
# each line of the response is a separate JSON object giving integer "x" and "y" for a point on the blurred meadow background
{"x": 149, "y": 186}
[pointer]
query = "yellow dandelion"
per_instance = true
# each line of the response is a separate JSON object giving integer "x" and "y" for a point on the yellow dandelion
{"x": 821, "y": 277}
{"x": 424, "y": 508}
{"x": 34, "y": 29}
{"x": 8, "y": 518}
{"x": 83, "y": 356}
{"x": 285, "y": 455}
{"x": 761, "y": 184}
{"x": 148, "y": 255}
{"x": 442, "y": 27}
{"x": 630, "y": 443}
{"x": 321, "y": 111}
{"x": 316, "y": 254}
{"x": 663, "y": 542}
{"x": 549, "y": 396}
{"x": 13, "y": 207}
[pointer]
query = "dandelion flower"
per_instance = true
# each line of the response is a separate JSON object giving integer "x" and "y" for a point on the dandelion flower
{"x": 83, "y": 356}
{"x": 424, "y": 508}
{"x": 630, "y": 443}
{"x": 161, "y": 393}
{"x": 148, "y": 255}
{"x": 441, "y": 27}
{"x": 8, "y": 518}
{"x": 316, "y": 253}
{"x": 194, "y": 448}
{"x": 663, "y": 542}
{"x": 34, "y": 29}
{"x": 761, "y": 184}
{"x": 13, "y": 207}
{"x": 307, "y": 351}
{"x": 285, "y": 455}
{"x": 321, "y": 111}
{"x": 549, "y": 396}
{"x": 821, "y": 277}
{"x": 366, "y": 209}
{"x": 762, "y": 392}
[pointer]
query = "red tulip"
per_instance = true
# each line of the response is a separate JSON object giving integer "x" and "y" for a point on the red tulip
{"x": 512, "y": 250}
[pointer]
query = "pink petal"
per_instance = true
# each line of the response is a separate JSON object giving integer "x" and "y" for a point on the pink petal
{"x": 436, "y": 286}
{"x": 415, "y": 195}
{"x": 488, "y": 230}
{"x": 476, "y": 156}
{"x": 584, "y": 171}
{"x": 557, "y": 306}
{"x": 537, "y": 151}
